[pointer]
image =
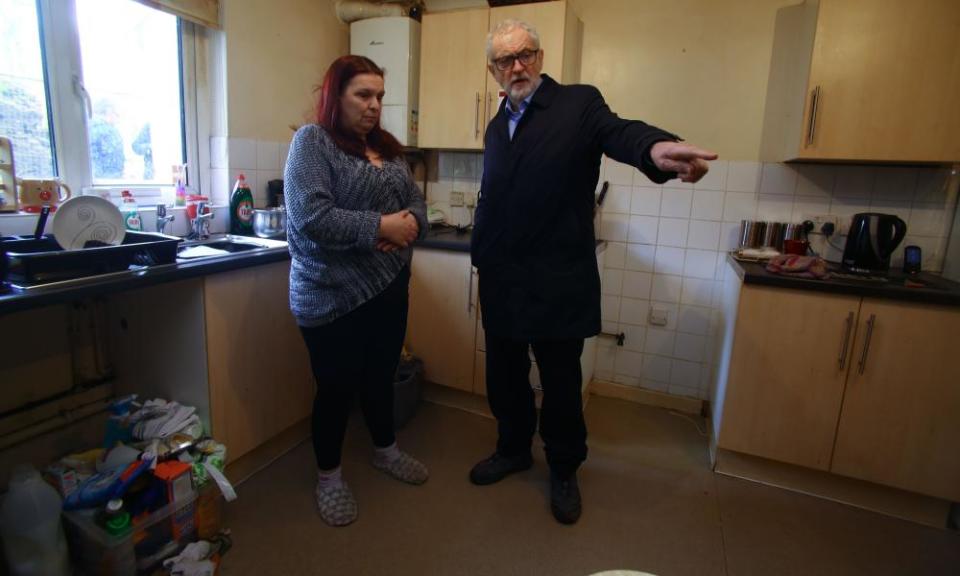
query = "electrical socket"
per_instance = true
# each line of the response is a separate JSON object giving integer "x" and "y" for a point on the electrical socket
{"x": 456, "y": 198}
{"x": 820, "y": 220}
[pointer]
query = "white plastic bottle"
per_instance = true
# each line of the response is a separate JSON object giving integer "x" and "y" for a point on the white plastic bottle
{"x": 33, "y": 537}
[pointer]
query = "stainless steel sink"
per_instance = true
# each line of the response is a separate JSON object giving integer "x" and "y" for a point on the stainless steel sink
{"x": 220, "y": 246}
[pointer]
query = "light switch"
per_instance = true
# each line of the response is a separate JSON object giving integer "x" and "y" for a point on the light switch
{"x": 658, "y": 316}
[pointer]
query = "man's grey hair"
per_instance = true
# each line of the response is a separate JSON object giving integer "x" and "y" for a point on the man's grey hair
{"x": 509, "y": 25}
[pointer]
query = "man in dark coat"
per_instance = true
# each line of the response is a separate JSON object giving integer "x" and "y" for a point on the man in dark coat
{"x": 534, "y": 247}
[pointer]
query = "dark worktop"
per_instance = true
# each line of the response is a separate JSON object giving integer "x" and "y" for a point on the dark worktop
{"x": 932, "y": 289}
{"x": 13, "y": 300}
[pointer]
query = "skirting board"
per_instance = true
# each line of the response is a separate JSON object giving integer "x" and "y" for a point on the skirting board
{"x": 890, "y": 501}
{"x": 241, "y": 469}
{"x": 649, "y": 397}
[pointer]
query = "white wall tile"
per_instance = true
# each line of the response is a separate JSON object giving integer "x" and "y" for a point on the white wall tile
{"x": 675, "y": 202}
{"x": 634, "y": 311}
{"x": 654, "y": 385}
{"x": 220, "y": 186}
{"x": 612, "y": 281}
{"x": 895, "y": 183}
{"x": 697, "y": 292}
{"x": 656, "y": 368}
{"x": 218, "y": 152}
{"x": 778, "y": 179}
{"x": 610, "y": 307}
{"x": 284, "y": 152}
{"x": 615, "y": 255}
{"x": 627, "y": 380}
{"x": 609, "y": 326}
{"x": 772, "y": 208}
{"x": 844, "y": 208}
{"x": 676, "y": 390}
{"x": 243, "y": 154}
{"x": 694, "y": 320}
{"x": 673, "y": 232}
{"x": 633, "y": 337}
{"x": 268, "y": 155}
{"x": 619, "y": 174}
{"x": 666, "y": 288}
{"x": 729, "y": 236}
{"x": 670, "y": 310}
{"x": 739, "y": 206}
{"x": 685, "y": 374}
{"x": 643, "y": 229}
{"x": 645, "y": 201}
{"x": 614, "y": 227}
{"x": 743, "y": 177}
{"x": 815, "y": 180}
{"x": 636, "y": 284}
{"x": 853, "y": 182}
{"x": 659, "y": 341}
{"x": 640, "y": 257}
{"x": 606, "y": 354}
{"x": 689, "y": 347}
{"x": 927, "y": 220}
{"x": 707, "y": 205}
{"x": 618, "y": 199}
{"x": 669, "y": 260}
{"x": 900, "y": 208}
{"x": 932, "y": 185}
{"x": 805, "y": 208}
{"x": 703, "y": 235}
{"x": 700, "y": 264}
{"x": 715, "y": 178}
{"x": 628, "y": 363}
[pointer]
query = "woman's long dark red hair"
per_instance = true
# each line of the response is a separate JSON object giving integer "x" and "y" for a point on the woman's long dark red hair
{"x": 335, "y": 81}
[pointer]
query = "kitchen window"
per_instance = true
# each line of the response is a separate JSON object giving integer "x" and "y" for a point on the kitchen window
{"x": 97, "y": 92}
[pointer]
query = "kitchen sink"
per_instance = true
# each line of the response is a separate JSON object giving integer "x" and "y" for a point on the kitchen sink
{"x": 224, "y": 246}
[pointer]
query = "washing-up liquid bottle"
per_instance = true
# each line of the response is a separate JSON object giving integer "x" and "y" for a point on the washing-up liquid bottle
{"x": 33, "y": 538}
{"x": 180, "y": 198}
{"x": 131, "y": 215}
{"x": 241, "y": 208}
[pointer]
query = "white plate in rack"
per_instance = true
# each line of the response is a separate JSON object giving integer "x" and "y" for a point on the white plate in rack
{"x": 84, "y": 218}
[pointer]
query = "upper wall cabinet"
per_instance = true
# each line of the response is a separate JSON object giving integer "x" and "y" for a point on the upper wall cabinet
{"x": 865, "y": 82}
{"x": 458, "y": 95}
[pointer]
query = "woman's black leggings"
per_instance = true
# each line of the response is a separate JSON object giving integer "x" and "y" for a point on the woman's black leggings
{"x": 357, "y": 354}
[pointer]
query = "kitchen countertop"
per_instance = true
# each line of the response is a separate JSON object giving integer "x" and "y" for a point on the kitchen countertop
{"x": 935, "y": 289}
{"x": 12, "y": 300}
{"x": 458, "y": 239}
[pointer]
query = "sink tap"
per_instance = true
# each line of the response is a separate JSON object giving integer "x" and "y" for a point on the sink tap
{"x": 201, "y": 223}
{"x": 162, "y": 218}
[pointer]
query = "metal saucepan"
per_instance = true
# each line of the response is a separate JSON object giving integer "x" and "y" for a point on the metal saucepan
{"x": 270, "y": 223}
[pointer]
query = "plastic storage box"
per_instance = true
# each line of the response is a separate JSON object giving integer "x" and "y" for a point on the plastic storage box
{"x": 140, "y": 550}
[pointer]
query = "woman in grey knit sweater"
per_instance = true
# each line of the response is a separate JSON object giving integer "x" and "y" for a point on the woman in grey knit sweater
{"x": 353, "y": 212}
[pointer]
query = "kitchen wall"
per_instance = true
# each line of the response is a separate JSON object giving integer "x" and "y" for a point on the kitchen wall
{"x": 700, "y": 68}
{"x": 274, "y": 55}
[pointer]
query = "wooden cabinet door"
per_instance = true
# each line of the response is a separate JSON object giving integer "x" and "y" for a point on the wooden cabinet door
{"x": 258, "y": 368}
{"x": 790, "y": 356}
{"x": 886, "y": 74}
{"x": 453, "y": 79}
{"x": 442, "y": 320}
{"x": 900, "y": 424}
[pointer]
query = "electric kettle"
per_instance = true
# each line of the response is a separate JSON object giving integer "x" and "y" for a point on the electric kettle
{"x": 871, "y": 240}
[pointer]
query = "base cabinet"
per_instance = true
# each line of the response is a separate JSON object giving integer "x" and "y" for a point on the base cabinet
{"x": 259, "y": 373}
{"x": 863, "y": 388}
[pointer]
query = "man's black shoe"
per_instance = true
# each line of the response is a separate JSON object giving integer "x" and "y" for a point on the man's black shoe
{"x": 498, "y": 467}
{"x": 565, "y": 499}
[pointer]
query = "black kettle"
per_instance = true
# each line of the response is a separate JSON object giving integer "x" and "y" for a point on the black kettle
{"x": 871, "y": 240}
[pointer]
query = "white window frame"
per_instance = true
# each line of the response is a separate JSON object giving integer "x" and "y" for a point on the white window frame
{"x": 69, "y": 103}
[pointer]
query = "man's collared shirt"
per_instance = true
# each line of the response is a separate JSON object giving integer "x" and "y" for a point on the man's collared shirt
{"x": 513, "y": 117}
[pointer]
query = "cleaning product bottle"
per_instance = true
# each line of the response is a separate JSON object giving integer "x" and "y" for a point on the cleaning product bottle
{"x": 131, "y": 216}
{"x": 181, "y": 195}
{"x": 33, "y": 538}
{"x": 241, "y": 208}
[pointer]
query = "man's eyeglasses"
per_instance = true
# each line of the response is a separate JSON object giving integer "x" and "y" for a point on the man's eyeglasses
{"x": 526, "y": 58}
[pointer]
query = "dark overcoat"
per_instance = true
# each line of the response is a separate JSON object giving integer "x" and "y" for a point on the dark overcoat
{"x": 533, "y": 242}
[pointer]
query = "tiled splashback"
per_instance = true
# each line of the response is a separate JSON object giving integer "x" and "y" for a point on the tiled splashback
{"x": 259, "y": 160}
{"x": 667, "y": 245}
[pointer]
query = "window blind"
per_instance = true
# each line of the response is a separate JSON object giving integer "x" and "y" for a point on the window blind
{"x": 203, "y": 12}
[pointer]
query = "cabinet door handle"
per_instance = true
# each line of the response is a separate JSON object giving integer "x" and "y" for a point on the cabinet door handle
{"x": 812, "y": 124}
{"x": 846, "y": 341}
{"x": 470, "y": 292}
{"x": 489, "y": 111}
{"x": 866, "y": 343}
{"x": 476, "y": 118}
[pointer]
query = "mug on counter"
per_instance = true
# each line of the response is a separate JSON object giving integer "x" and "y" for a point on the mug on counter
{"x": 34, "y": 193}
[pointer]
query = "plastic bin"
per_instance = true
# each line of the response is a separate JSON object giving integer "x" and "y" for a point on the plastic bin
{"x": 152, "y": 539}
{"x": 407, "y": 391}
